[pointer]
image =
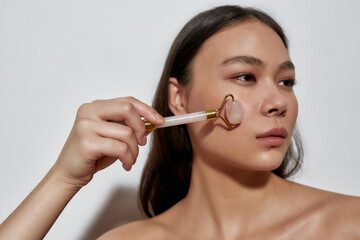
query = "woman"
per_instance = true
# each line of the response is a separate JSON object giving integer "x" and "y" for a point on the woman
{"x": 229, "y": 182}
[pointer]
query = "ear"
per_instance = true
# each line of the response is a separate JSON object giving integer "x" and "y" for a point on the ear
{"x": 176, "y": 99}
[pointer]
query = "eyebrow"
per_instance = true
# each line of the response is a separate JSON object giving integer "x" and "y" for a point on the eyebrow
{"x": 287, "y": 65}
{"x": 256, "y": 61}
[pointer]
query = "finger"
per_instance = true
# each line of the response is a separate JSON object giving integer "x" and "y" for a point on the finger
{"x": 128, "y": 110}
{"x": 146, "y": 111}
{"x": 118, "y": 132}
{"x": 116, "y": 110}
{"x": 116, "y": 149}
{"x": 104, "y": 162}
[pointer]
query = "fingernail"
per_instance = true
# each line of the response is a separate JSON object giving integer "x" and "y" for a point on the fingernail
{"x": 159, "y": 117}
{"x": 126, "y": 167}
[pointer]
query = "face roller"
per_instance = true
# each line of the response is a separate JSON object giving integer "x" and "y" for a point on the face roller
{"x": 233, "y": 115}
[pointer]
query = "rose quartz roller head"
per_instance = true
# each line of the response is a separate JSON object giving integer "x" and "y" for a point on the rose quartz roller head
{"x": 233, "y": 111}
{"x": 233, "y": 115}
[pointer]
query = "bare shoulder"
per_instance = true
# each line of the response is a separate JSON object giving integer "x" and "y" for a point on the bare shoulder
{"x": 336, "y": 214}
{"x": 342, "y": 216}
{"x": 144, "y": 229}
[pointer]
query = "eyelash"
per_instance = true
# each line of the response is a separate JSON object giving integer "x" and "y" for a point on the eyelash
{"x": 250, "y": 77}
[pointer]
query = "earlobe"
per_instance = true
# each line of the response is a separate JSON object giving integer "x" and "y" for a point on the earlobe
{"x": 176, "y": 97}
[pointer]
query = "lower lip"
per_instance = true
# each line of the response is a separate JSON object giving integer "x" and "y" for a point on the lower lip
{"x": 272, "y": 141}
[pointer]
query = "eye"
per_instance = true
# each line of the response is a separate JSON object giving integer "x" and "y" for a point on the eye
{"x": 245, "y": 78}
{"x": 288, "y": 83}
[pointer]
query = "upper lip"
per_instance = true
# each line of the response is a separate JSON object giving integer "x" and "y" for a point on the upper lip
{"x": 275, "y": 132}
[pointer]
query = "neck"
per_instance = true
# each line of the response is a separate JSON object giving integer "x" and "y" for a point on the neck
{"x": 228, "y": 197}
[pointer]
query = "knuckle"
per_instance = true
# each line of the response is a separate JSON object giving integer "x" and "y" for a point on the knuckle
{"x": 125, "y": 149}
{"x": 127, "y": 106}
{"x": 83, "y": 126}
{"x": 128, "y": 132}
{"x": 83, "y": 109}
{"x": 130, "y": 98}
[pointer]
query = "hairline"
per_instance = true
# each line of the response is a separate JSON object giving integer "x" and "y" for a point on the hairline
{"x": 187, "y": 87}
{"x": 247, "y": 19}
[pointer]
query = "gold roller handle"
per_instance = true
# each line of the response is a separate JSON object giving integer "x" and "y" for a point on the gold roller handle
{"x": 192, "y": 117}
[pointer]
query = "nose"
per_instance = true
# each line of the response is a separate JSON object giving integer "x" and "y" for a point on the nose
{"x": 273, "y": 102}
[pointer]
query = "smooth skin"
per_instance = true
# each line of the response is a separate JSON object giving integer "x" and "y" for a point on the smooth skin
{"x": 233, "y": 194}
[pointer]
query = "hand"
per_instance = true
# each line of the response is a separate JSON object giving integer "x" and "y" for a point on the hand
{"x": 97, "y": 141}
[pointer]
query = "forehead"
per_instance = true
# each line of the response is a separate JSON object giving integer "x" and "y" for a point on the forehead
{"x": 252, "y": 38}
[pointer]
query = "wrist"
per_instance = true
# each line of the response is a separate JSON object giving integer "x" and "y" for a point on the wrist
{"x": 64, "y": 182}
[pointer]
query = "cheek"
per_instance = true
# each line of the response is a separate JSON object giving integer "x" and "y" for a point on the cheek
{"x": 212, "y": 135}
{"x": 292, "y": 112}
{"x": 201, "y": 97}
{"x": 295, "y": 108}
{"x": 207, "y": 96}
{"x": 215, "y": 142}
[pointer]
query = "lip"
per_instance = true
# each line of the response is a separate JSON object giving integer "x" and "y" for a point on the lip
{"x": 274, "y": 137}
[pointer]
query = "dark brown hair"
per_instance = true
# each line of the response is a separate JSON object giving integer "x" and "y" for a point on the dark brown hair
{"x": 166, "y": 176}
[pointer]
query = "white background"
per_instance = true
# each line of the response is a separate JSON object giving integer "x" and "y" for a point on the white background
{"x": 56, "y": 55}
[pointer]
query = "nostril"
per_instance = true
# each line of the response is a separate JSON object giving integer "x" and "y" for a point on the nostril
{"x": 283, "y": 113}
{"x": 273, "y": 110}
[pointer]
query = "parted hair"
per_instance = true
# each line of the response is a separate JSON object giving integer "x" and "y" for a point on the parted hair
{"x": 166, "y": 176}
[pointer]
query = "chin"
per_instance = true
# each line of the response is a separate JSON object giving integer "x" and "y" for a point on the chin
{"x": 264, "y": 162}
{"x": 268, "y": 161}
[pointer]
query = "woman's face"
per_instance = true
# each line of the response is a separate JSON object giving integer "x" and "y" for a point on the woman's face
{"x": 250, "y": 61}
